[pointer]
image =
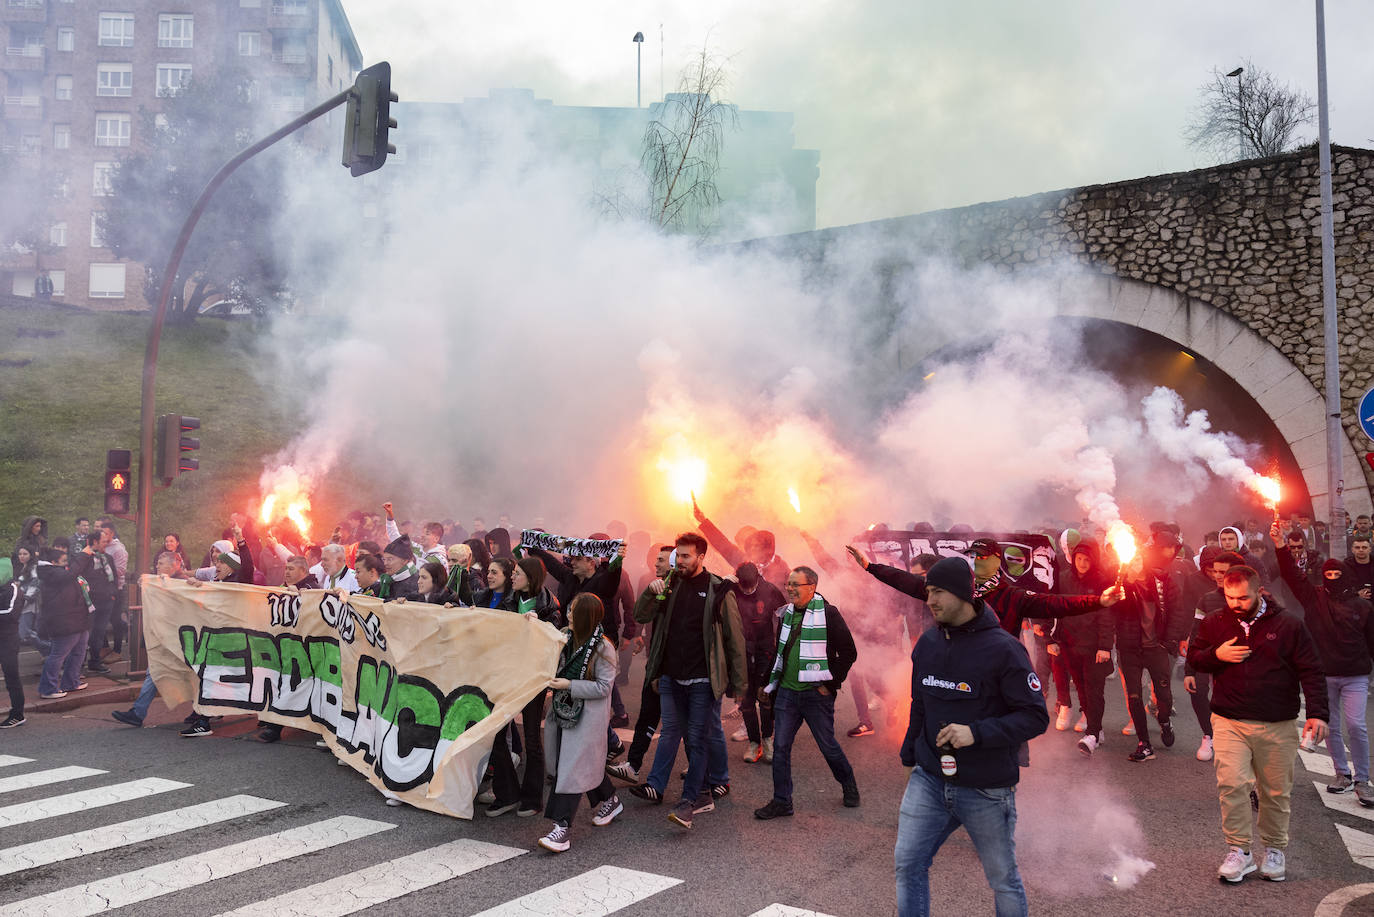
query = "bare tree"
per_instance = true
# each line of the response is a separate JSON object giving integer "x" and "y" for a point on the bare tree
{"x": 1247, "y": 113}
{"x": 682, "y": 146}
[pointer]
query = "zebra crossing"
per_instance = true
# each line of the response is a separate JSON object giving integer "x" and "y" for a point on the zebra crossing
{"x": 597, "y": 892}
{"x": 1359, "y": 844}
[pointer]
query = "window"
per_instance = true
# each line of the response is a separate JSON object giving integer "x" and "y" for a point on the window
{"x": 107, "y": 281}
{"x": 329, "y": 72}
{"x": 30, "y": 143}
{"x": 103, "y": 185}
{"x": 174, "y": 30}
{"x": 57, "y": 235}
{"x": 292, "y": 51}
{"x": 113, "y": 129}
{"x": 64, "y": 87}
{"x": 290, "y": 7}
{"x": 59, "y": 282}
{"x": 97, "y": 230}
{"x": 114, "y": 79}
{"x": 250, "y": 44}
{"x": 172, "y": 78}
{"x": 117, "y": 30}
{"x": 66, "y": 39}
{"x": 61, "y": 136}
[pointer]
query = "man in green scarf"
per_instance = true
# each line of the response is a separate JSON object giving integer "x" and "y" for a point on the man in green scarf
{"x": 814, "y": 654}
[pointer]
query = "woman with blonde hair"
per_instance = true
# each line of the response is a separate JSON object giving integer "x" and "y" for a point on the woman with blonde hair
{"x": 576, "y": 726}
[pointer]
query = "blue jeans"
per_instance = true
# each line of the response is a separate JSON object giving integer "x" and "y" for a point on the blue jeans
{"x": 145, "y": 698}
{"x": 931, "y": 811}
{"x": 1346, "y": 696}
{"x": 687, "y": 712}
{"x": 29, "y": 636}
{"x": 790, "y": 709}
{"x": 62, "y": 666}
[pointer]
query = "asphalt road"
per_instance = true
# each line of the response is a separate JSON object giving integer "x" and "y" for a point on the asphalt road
{"x": 1078, "y": 819}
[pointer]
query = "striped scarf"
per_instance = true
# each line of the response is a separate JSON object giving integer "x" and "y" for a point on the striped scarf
{"x": 455, "y": 579}
{"x": 815, "y": 663}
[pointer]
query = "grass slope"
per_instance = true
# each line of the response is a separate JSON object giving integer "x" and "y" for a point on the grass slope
{"x": 70, "y": 384}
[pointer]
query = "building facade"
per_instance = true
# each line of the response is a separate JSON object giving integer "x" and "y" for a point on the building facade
{"x": 76, "y": 76}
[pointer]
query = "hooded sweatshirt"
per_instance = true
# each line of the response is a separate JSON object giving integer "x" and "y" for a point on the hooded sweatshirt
{"x": 1093, "y": 632}
{"x": 28, "y": 540}
{"x": 1341, "y": 623}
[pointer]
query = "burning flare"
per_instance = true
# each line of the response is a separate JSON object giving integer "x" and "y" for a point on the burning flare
{"x": 1269, "y": 489}
{"x": 794, "y": 499}
{"x": 1122, "y": 540}
{"x": 287, "y": 498}
{"x": 686, "y": 477}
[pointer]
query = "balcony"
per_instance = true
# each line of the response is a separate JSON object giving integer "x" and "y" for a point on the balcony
{"x": 26, "y": 11}
{"x": 25, "y": 58}
{"x": 24, "y": 108}
{"x": 296, "y": 63}
{"x": 291, "y": 16}
{"x": 293, "y": 105}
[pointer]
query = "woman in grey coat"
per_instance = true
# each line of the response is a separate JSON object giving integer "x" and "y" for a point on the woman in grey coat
{"x": 576, "y": 725}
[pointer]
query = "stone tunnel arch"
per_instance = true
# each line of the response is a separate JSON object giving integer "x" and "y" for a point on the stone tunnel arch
{"x": 1281, "y": 389}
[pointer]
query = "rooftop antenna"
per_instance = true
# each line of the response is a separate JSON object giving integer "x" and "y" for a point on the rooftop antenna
{"x": 639, "y": 66}
{"x": 660, "y": 61}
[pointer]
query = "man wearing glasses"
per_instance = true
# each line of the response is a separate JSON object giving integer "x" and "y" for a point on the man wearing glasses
{"x": 815, "y": 652}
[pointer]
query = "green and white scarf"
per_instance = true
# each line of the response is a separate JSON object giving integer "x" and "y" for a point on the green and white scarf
{"x": 567, "y": 710}
{"x": 527, "y": 605}
{"x": 455, "y": 579}
{"x": 814, "y": 662}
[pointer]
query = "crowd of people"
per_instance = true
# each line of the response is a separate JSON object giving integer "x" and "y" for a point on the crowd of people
{"x": 994, "y": 665}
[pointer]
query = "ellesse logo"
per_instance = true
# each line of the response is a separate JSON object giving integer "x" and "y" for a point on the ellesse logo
{"x": 930, "y": 681}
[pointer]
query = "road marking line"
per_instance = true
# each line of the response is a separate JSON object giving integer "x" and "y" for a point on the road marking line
{"x": 1317, "y": 763}
{"x": 378, "y": 884}
{"x": 782, "y": 910}
{"x": 1334, "y": 904}
{"x": 197, "y": 869}
{"x": 1343, "y": 802}
{"x": 43, "y": 778}
{"x": 8, "y": 760}
{"x": 1359, "y": 845}
{"x": 53, "y": 806}
{"x": 603, "y": 890}
{"x": 109, "y": 837}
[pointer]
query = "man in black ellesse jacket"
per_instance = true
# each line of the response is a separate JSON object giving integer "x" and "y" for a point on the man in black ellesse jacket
{"x": 975, "y": 699}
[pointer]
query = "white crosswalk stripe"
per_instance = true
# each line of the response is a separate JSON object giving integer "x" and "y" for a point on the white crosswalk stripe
{"x": 10, "y": 760}
{"x": 1317, "y": 763}
{"x": 383, "y": 882}
{"x": 601, "y": 891}
{"x": 782, "y": 910}
{"x": 122, "y": 834}
{"x": 190, "y": 871}
{"x": 53, "y": 806}
{"x": 1343, "y": 802}
{"x": 1359, "y": 845}
{"x": 43, "y": 778}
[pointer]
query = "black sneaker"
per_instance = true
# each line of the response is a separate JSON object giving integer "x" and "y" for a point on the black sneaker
{"x": 851, "y": 795}
{"x": 269, "y": 734}
{"x": 98, "y": 669}
{"x": 774, "y": 809}
{"x": 128, "y": 718}
{"x": 497, "y": 809}
{"x": 13, "y": 720}
{"x": 720, "y": 790}
{"x": 682, "y": 814}
{"x": 703, "y": 803}
{"x": 196, "y": 731}
{"x": 614, "y": 752}
{"x": 861, "y": 730}
{"x": 620, "y": 721}
{"x": 647, "y": 793}
{"x": 1143, "y": 752}
{"x": 1166, "y": 733}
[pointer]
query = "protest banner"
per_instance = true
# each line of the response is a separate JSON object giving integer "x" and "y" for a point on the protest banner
{"x": 409, "y": 694}
{"x": 1027, "y": 560}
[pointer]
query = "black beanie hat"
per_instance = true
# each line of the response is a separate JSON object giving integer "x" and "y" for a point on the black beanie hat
{"x": 954, "y": 575}
{"x": 400, "y": 548}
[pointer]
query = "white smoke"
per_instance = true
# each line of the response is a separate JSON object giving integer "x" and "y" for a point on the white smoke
{"x": 1192, "y": 444}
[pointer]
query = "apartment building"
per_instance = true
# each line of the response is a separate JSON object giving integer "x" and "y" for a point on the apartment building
{"x": 75, "y": 75}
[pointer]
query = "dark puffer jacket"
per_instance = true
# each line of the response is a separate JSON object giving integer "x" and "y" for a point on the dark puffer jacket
{"x": 1093, "y": 632}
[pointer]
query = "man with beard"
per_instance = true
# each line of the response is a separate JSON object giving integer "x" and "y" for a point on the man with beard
{"x": 332, "y": 571}
{"x": 399, "y": 559}
{"x": 1359, "y": 564}
{"x": 1259, "y": 658}
{"x": 1342, "y": 628}
{"x": 1199, "y": 684}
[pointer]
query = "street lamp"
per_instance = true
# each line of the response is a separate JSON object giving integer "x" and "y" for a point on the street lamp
{"x": 639, "y": 63}
{"x": 1240, "y": 99}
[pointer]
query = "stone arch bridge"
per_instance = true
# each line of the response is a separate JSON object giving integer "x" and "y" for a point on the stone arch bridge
{"x": 1225, "y": 262}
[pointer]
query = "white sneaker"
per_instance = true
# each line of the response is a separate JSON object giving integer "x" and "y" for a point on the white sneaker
{"x": 1237, "y": 865}
{"x": 1128, "y": 729}
{"x": 1061, "y": 720}
{"x": 1087, "y": 745}
{"x": 1082, "y": 724}
{"x": 486, "y": 797}
{"x": 1275, "y": 867}
{"x": 1204, "y": 749}
{"x": 739, "y": 735}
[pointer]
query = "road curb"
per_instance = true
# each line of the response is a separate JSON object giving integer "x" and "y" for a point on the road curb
{"x": 76, "y": 699}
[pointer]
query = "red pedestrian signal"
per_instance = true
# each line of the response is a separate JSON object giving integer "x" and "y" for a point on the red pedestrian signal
{"x": 1369, "y": 457}
{"x": 117, "y": 463}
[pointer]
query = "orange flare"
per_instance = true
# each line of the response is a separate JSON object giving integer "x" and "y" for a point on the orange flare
{"x": 794, "y": 499}
{"x": 1122, "y": 540}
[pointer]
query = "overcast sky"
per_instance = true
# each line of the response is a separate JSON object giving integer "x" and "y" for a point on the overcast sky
{"x": 914, "y": 104}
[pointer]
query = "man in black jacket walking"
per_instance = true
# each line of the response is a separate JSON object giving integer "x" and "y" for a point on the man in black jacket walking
{"x": 975, "y": 700}
{"x": 813, "y": 655}
{"x": 1259, "y": 657}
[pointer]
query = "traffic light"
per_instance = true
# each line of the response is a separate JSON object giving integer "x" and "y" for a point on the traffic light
{"x": 173, "y": 446}
{"x": 368, "y": 120}
{"x": 117, "y": 481}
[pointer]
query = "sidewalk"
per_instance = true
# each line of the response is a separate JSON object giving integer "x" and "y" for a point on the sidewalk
{"x": 114, "y": 688}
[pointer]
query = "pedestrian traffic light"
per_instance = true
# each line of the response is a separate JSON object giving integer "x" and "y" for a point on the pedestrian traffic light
{"x": 173, "y": 446}
{"x": 117, "y": 481}
{"x": 368, "y": 121}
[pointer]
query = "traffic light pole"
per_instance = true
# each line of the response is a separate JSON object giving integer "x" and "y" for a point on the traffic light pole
{"x": 146, "y": 456}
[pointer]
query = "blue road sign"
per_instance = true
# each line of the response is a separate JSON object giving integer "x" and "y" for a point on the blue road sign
{"x": 1367, "y": 413}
